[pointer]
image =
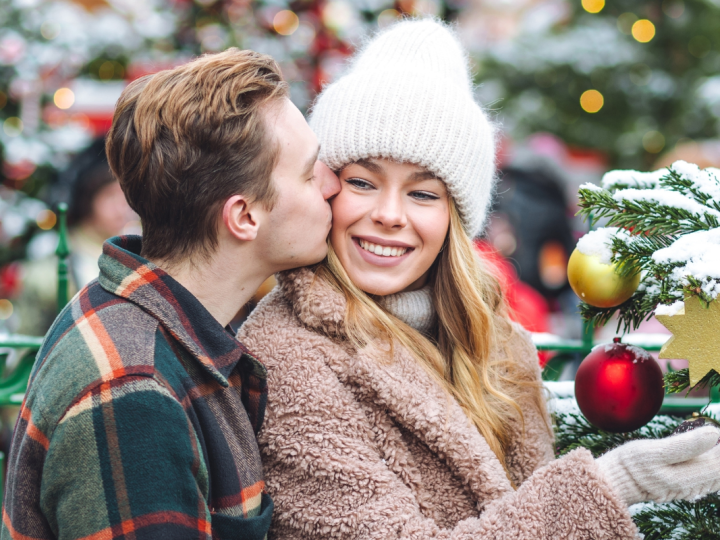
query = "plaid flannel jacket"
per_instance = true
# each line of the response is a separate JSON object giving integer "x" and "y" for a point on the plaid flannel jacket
{"x": 140, "y": 418}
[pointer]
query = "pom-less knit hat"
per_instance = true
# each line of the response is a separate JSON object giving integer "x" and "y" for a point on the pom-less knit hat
{"x": 408, "y": 97}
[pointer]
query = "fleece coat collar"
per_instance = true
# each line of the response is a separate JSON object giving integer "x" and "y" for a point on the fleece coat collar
{"x": 403, "y": 388}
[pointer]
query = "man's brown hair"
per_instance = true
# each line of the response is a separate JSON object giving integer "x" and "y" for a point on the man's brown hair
{"x": 185, "y": 140}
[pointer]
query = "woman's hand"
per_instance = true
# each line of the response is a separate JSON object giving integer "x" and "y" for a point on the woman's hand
{"x": 681, "y": 466}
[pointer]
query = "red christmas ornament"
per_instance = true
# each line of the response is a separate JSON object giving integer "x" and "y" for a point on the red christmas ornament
{"x": 619, "y": 387}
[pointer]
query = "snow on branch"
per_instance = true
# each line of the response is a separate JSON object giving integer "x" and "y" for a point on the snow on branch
{"x": 664, "y": 224}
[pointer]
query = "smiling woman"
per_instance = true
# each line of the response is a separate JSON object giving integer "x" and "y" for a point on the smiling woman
{"x": 403, "y": 403}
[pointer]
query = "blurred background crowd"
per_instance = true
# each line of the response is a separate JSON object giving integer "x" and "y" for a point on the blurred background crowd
{"x": 577, "y": 87}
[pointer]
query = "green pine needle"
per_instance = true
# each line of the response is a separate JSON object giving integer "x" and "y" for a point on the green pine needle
{"x": 677, "y": 520}
{"x": 677, "y": 381}
{"x": 681, "y": 520}
{"x": 573, "y": 431}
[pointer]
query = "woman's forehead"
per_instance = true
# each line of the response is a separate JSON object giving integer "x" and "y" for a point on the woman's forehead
{"x": 385, "y": 166}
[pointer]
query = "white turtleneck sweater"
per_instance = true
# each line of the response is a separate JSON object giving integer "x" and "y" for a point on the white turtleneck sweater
{"x": 414, "y": 308}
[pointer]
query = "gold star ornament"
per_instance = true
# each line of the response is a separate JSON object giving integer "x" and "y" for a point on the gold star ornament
{"x": 695, "y": 329}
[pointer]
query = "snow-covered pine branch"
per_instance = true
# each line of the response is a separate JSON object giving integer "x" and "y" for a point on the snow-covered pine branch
{"x": 665, "y": 224}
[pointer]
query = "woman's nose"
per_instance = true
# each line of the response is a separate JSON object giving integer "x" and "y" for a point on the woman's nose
{"x": 389, "y": 211}
{"x": 328, "y": 180}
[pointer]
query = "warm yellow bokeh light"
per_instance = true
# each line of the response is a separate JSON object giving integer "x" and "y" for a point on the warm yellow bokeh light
{"x": 593, "y": 6}
{"x": 64, "y": 98}
{"x": 643, "y": 30}
{"x": 6, "y": 309}
{"x": 46, "y": 220}
{"x": 592, "y": 101}
{"x": 286, "y": 22}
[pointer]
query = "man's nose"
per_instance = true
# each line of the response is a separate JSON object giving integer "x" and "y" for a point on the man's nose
{"x": 328, "y": 180}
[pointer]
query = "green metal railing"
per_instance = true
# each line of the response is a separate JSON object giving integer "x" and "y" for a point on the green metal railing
{"x": 13, "y": 382}
{"x": 568, "y": 350}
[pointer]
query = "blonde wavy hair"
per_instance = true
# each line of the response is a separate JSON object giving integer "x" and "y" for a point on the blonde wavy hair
{"x": 470, "y": 313}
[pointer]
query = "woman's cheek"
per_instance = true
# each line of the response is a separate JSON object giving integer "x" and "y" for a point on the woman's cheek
{"x": 432, "y": 227}
{"x": 347, "y": 208}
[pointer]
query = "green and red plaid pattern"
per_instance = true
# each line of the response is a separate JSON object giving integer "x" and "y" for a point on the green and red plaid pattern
{"x": 140, "y": 418}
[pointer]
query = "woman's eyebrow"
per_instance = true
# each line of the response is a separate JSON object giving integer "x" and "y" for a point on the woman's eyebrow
{"x": 370, "y": 166}
{"x": 418, "y": 176}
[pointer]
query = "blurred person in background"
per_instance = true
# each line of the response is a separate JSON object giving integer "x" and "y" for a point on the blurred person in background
{"x": 531, "y": 227}
{"x": 528, "y": 238}
{"x": 97, "y": 210}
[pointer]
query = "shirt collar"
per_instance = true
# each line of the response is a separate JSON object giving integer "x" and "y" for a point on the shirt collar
{"x": 125, "y": 273}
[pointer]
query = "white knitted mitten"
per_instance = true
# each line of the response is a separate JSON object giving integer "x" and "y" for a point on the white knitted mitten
{"x": 681, "y": 466}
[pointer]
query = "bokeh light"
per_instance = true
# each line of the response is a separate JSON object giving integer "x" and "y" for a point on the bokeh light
{"x": 46, "y": 220}
{"x": 110, "y": 69}
{"x": 653, "y": 141}
{"x": 64, "y": 98}
{"x": 49, "y": 30}
{"x": 6, "y": 309}
{"x": 552, "y": 264}
{"x": 593, "y": 6}
{"x": 673, "y": 8}
{"x": 286, "y": 22}
{"x": 643, "y": 30}
{"x": 591, "y": 101}
{"x": 13, "y": 126}
{"x": 625, "y": 22}
{"x": 388, "y": 17}
{"x": 337, "y": 14}
{"x": 304, "y": 35}
{"x": 426, "y": 7}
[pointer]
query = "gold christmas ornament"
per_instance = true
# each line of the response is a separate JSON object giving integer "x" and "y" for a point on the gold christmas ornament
{"x": 695, "y": 330}
{"x": 599, "y": 284}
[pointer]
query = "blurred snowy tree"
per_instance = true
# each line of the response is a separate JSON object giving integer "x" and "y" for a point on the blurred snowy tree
{"x": 630, "y": 78}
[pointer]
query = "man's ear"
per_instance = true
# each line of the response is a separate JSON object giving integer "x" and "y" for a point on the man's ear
{"x": 240, "y": 218}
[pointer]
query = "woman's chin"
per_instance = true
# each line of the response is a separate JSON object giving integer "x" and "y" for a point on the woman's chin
{"x": 381, "y": 288}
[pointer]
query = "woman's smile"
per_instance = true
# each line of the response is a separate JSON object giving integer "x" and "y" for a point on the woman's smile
{"x": 381, "y": 253}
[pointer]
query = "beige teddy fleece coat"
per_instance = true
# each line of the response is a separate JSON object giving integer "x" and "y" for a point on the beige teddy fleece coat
{"x": 355, "y": 448}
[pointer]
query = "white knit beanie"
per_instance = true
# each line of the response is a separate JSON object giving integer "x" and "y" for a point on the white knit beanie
{"x": 408, "y": 97}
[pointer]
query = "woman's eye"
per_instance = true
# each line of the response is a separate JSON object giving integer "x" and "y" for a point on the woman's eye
{"x": 424, "y": 196}
{"x": 359, "y": 183}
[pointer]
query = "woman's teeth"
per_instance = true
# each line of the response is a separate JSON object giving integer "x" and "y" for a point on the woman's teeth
{"x": 384, "y": 251}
